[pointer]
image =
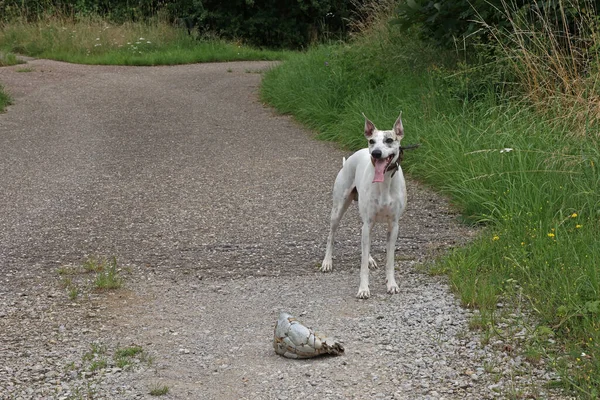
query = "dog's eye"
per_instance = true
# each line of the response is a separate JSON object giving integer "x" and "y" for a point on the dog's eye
{"x": 389, "y": 140}
{"x": 371, "y": 141}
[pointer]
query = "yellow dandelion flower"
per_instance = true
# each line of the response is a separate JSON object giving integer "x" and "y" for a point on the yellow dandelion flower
{"x": 496, "y": 237}
{"x": 551, "y": 234}
{"x": 574, "y": 215}
{"x": 578, "y": 226}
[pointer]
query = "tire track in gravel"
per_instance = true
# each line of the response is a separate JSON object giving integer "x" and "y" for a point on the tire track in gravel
{"x": 220, "y": 209}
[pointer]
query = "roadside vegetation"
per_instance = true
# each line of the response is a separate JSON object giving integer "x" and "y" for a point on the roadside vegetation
{"x": 91, "y": 40}
{"x": 509, "y": 130}
{"x": 5, "y": 99}
{"x": 6, "y": 59}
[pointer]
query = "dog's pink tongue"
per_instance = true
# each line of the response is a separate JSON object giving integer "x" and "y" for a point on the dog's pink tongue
{"x": 380, "y": 165}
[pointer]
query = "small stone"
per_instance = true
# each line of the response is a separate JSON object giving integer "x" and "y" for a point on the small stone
{"x": 51, "y": 374}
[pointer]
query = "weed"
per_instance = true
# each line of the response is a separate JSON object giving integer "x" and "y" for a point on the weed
{"x": 26, "y": 69}
{"x": 158, "y": 390}
{"x": 478, "y": 322}
{"x": 66, "y": 282}
{"x": 108, "y": 277}
{"x": 73, "y": 292}
{"x": 5, "y": 99}
{"x": 67, "y": 270}
{"x": 80, "y": 393}
{"x": 100, "y": 363}
{"x": 93, "y": 264}
{"x": 533, "y": 355}
{"x": 95, "y": 349}
{"x": 131, "y": 351}
{"x": 489, "y": 367}
{"x": 124, "y": 356}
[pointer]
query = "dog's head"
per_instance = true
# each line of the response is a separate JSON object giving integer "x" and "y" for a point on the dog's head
{"x": 384, "y": 146}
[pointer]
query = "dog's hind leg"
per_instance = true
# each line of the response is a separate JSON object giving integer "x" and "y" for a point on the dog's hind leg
{"x": 392, "y": 235}
{"x": 340, "y": 205}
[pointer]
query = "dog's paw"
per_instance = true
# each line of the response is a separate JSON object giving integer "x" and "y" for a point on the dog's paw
{"x": 372, "y": 263}
{"x": 393, "y": 288}
{"x": 363, "y": 293}
{"x": 326, "y": 266}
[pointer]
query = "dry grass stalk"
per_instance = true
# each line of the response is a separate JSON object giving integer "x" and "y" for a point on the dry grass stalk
{"x": 555, "y": 63}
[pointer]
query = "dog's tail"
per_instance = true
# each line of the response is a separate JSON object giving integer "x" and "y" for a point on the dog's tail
{"x": 343, "y": 161}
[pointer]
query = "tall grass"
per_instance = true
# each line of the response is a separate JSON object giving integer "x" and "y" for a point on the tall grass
{"x": 555, "y": 56}
{"x": 522, "y": 175}
{"x": 91, "y": 40}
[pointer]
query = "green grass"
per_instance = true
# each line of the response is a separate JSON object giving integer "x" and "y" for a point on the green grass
{"x": 538, "y": 202}
{"x": 108, "y": 276}
{"x": 159, "y": 390}
{"x": 5, "y": 99}
{"x": 94, "y": 264}
{"x": 124, "y": 356}
{"x": 8, "y": 59}
{"x": 98, "y": 357}
{"x": 94, "y": 41}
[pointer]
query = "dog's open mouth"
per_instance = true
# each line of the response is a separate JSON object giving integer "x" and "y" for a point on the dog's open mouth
{"x": 381, "y": 165}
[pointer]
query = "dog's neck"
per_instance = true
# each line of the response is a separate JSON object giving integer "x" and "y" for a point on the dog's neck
{"x": 393, "y": 167}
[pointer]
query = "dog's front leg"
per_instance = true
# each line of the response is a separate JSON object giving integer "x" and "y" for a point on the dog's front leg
{"x": 363, "y": 288}
{"x": 392, "y": 236}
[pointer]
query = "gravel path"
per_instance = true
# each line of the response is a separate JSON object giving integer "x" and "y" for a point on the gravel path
{"x": 217, "y": 211}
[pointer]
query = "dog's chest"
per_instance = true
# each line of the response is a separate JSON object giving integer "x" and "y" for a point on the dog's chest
{"x": 382, "y": 209}
{"x": 383, "y": 212}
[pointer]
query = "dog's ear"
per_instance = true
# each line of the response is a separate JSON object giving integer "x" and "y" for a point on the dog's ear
{"x": 369, "y": 127}
{"x": 398, "y": 127}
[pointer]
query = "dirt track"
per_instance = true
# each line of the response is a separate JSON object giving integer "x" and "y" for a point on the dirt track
{"x": 219, "y": 208}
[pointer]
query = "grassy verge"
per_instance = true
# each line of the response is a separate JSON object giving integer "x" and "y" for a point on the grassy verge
{"x": 8, "y": 59}
{"x": 94, "y": 41}
{"x": 5, "y": 99}
{"x": 528, "y": 180}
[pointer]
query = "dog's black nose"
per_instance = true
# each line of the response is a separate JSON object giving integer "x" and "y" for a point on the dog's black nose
{"x": 376, "y": 154}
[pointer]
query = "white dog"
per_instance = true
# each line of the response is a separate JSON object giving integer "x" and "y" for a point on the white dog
{"x": 372, "y": 176}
